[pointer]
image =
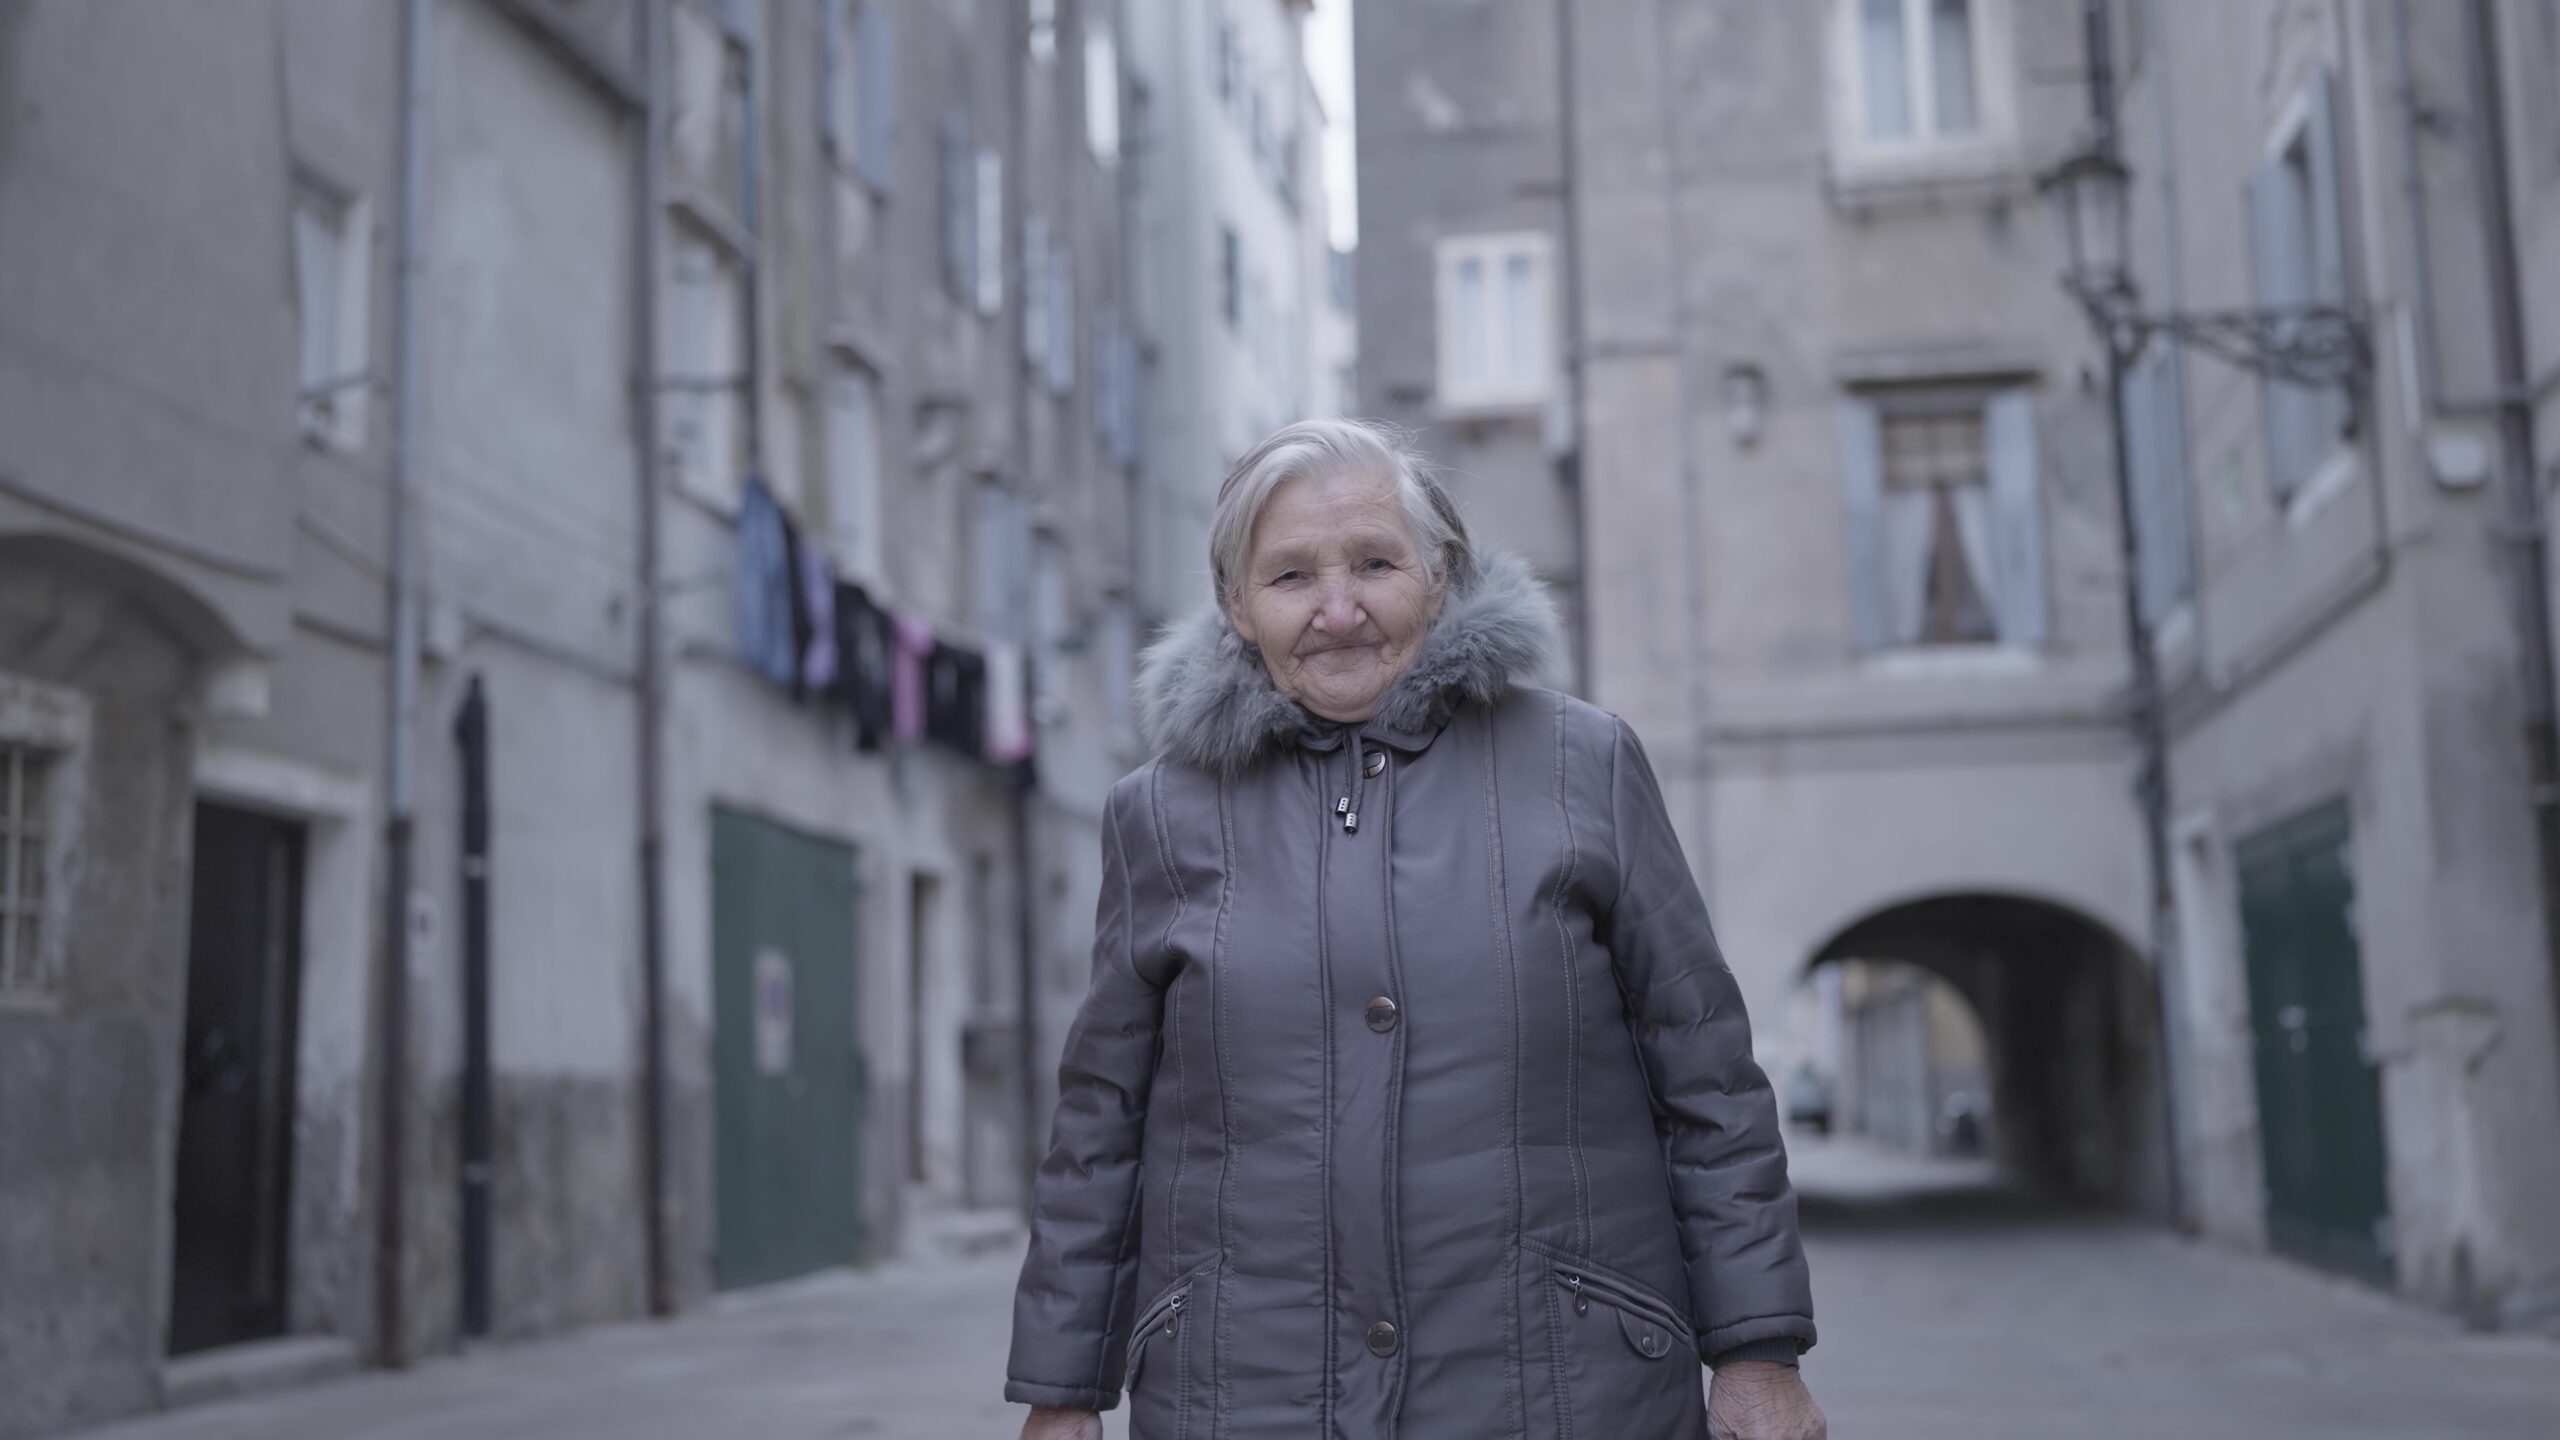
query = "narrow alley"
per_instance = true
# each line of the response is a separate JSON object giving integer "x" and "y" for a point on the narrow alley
{"x": 1948, "y": 1308}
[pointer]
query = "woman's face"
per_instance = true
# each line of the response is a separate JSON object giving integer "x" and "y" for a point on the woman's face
{"x": 1334, "y": 593}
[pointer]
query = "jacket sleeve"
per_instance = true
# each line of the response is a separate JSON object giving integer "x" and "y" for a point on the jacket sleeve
{"x": 1071, "y": 1310}
{"x": 1713, "y": 1106}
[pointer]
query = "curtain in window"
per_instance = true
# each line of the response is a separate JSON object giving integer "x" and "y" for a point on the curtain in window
{"x": 1909, "y": 520}
{"x": 1951, "y": 66}
{"x": 1467, "y": 331}
{"x": 1884, "y": 68}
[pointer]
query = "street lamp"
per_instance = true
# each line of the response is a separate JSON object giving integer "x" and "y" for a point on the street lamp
{"x": 2320, "y": 346}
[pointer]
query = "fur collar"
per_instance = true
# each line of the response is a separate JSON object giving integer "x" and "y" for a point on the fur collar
{"x": 1205, "y": 700}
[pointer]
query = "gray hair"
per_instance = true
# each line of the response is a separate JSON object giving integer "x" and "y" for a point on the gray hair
{"x": 1315, "y": 449}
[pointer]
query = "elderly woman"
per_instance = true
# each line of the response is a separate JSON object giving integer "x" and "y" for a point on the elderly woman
{"x": 1412, "y": 1097}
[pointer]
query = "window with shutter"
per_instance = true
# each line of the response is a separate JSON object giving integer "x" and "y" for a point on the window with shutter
{"x": 1942, "y": 522}
{"x": 2298, "y": 246}
{"x": 333, "y": 278}
{"x": 2155, "y": 454}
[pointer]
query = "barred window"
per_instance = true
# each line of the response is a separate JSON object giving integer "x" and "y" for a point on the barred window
{"x": 25, "y": 964}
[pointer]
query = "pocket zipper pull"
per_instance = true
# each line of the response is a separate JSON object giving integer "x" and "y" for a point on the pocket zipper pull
{"x": 1172, "y": 1313}
{"x": 1581, "y": 1302}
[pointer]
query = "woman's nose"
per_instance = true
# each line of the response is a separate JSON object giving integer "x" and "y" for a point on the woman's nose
{"x": 1338, "y": 609}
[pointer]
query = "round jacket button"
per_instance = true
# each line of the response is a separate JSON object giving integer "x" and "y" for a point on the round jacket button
{"x": 1376, "y": 764}
{"x": 1382, "y": 1014}
{"x": 1382, "y": 1339}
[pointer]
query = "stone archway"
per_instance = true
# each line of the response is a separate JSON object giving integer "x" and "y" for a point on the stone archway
{"x": 2069, "y": 1026}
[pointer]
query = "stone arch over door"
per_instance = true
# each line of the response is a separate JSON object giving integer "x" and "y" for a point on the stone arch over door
{"x": 2065, "y": 1002}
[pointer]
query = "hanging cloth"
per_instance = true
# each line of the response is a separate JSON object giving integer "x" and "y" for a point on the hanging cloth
{"x": 865, "y": 664}
{"x": 914, "y": 642}
{"x": 1008, "y": 705}
{"x": 819, "y": 658}
{"x": 955, "y": 707}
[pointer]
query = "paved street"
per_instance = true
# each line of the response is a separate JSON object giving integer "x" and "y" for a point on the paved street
{"x": 1948, "y": 1310}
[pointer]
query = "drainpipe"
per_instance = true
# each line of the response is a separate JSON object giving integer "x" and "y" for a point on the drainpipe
{"x": 471, "y": 738}
{"x": 1026, "y": 387}
{"x": 650, "y": 157}
{"x": 400, "y": 720}
{"x": 2150, "y": 715}
{"x": 1569, "y": 261}
{"x": 2522, "y": 525}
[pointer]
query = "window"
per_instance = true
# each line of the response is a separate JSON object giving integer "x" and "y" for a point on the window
{"x": 1231, "y": 277}
{"x": 1920, "y": 85}
{"x": 990, "y": 242}
{"x": 1495, "y": 313}
{"x": 44, "y": 733}
{"x": 1115, "y": 391}
{"x": 1120, "y": 661}
{"x": 860, "y": 96}
{"x": 1101, "y": 90}
{"x": 1044, "y": 30}
{"x": 24, "y": 856}
{"x": 332, "y": 281}
{"x": 1061, "y": 299}
{"x": 1944, "y": 522}
{"x": 853, "y": 471}
{"x": 1050, "y": 622}
{"x": 705, "y": 345}
{"x": 2300, "y": 256}
{"x": 1036, "y": 313}
{"x": 1003, "y": 562}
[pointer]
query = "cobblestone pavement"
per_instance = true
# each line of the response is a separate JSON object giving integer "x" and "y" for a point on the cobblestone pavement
{"x": 1948, "y": 1310}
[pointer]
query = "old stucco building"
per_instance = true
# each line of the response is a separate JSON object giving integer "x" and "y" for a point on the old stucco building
{"x": 869, "y": 277}
{"x": 1742, "y": 322}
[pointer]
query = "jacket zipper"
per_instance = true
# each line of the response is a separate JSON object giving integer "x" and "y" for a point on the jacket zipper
{"x": 1577, "y": 1282}
{"x": 1166, "y": 1316}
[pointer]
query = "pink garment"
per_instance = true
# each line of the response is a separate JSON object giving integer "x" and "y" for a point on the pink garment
{"x": 912, "y": 641}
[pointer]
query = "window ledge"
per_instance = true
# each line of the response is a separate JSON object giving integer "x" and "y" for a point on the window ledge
{"x": 1953, "y": 661}
{"x": 1488, "y": 407}
{"x": 1863, "y": 178}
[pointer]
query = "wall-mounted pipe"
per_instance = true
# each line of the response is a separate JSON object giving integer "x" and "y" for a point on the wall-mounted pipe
{"x": 649, "y": 155}
{"x": 471, "y": 741}
{"x": 401, "y": 685}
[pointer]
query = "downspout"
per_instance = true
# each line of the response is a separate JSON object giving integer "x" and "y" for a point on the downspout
{"x": 1569, "y": 261}
{"x": 2150, "y": 716}
{"x": 400, "y": 778}
{"x": 1692, "y": 503}
{"x": 650, "y": 157}
{"x": 2522, "y": 525}
{"x": 471, "y": 739}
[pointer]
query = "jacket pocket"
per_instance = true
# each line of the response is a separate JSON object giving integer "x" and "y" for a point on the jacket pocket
{"x": 1163, "y": 1320}
{"x": 1622, "y": 1356}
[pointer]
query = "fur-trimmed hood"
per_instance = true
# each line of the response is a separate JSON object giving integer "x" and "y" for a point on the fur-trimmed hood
{"x": 1204, "y": 698}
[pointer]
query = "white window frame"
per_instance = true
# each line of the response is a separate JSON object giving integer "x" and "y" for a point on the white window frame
{"x": 1498, "y": 387}
{"x": 53, "y": 723}
{"x": 336, "y": 383}
{"x": 706, "y": 348}
{"x": 853, "y": 468}
{"x": 1101, "y": 90}
{"x": 2320, "y": 477}
{"x": 1991, "y": 146}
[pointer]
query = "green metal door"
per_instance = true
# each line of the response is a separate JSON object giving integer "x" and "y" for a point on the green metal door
{"x": 2319, "y": 1094}
{"x": 785, "y": 1051}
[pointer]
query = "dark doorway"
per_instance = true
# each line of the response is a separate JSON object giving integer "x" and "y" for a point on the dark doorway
{"x": 2319, "y": 1093}
{"x": 235, "y": 1122}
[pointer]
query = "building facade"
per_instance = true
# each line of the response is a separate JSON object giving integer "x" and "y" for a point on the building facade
{"x": 1742, "y": 321}
{"x": 703, "y": 437}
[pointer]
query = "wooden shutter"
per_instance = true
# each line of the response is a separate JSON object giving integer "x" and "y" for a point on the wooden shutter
{"x": 2017, "y": 518}
{"x": 1859, "y": 433}
{"x": 2155, "y": 451}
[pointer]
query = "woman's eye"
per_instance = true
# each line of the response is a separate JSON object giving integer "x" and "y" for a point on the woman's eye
{"x": 1374, "y": 564}
{"x": 1288, "y": 577}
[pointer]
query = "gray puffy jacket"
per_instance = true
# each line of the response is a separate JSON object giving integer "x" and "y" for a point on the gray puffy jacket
{"x": 1412, "y": 1096}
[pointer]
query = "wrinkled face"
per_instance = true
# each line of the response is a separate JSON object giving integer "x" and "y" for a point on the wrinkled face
{"x": 1334, "y": 593}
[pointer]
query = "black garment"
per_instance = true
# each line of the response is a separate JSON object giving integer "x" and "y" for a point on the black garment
{"x": 864, "y": 672}
{"x": 955, "y": 699}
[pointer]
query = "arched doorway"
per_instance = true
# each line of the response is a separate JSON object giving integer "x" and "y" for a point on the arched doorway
{"x": 2068, "y": 1038}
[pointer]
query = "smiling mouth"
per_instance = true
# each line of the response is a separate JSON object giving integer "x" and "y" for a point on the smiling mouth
{"x": 1336, "y": 649}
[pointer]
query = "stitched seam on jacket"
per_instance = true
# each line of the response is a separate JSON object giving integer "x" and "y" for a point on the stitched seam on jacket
{"x": 1513, "y": 1383}
{"x": 1555, "y": 1356}
{"x": 1572, "y": 1004}
{"x": 1181, "y": 1090}
{"x": 1219, "y": 1378}
{"x": 1391, "y": 1194}
{"x": 1130, "y": 1221}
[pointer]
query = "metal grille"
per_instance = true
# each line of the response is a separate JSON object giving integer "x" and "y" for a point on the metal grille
{"x": 23, "y": 967}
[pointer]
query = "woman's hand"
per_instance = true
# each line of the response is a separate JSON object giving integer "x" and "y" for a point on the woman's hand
{"x": 1758, "y": 1400}
{"x": 1047, "y": 1422}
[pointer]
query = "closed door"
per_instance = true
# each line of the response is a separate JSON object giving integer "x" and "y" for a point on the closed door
{"x": 235, "y": 1123}
{"x": 2319, "y": 1091}
{"x": 785, "y": 1056}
